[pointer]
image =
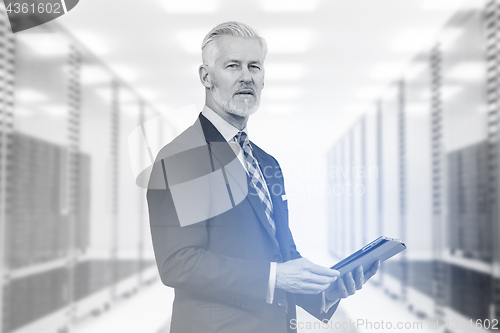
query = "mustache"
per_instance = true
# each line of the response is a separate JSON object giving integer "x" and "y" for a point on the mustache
{"x": 247, "y": 90}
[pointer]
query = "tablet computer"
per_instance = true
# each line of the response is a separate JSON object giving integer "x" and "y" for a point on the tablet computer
{"x": 381, "y": 249}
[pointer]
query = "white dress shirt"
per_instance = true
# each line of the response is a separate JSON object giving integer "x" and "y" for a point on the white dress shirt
{"x": 228, "y": 131}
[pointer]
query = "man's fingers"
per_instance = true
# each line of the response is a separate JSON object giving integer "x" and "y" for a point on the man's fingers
{"x": 320, "y": 270}
{"x": 318, "y": 279}
{"x": 312, "y": 288}
{"x": 373, "y": 270}
{"x": 349, "y": 283}
{"x": 359, "y": 277}
{"x": 342, "y": 288}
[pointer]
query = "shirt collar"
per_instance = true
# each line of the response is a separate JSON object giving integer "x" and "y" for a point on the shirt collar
{"x": 227, "y": 130}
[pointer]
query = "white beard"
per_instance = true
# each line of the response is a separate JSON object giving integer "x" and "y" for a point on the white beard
{"x": 229, "y": 107}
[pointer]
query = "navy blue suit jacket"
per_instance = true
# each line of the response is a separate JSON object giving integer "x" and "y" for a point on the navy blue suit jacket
{"x": 220, "y": 266}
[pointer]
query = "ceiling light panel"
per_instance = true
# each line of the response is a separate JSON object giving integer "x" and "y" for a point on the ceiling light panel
{"x": 45, "y": 45}
{"x": 189, "y": 6}
{"x": 288, "y": 40}
{"x": 445, "y": 5}
{"x": 55, "y": 110}
{"x": 191, "y": 40}
{"x": 125, "y": 72}
{"x": 468, "y": 71}
{"x": 448, "y": 37}
{"x": 93, "y": 42}
{"x": 273, "y": 6}
{"x": 28, "y": 95}
{"x": 93, "y": 74}
{"x": 417, "y": 108}
{"x": 412, "y": 40}
{"x": 369, "y": 93}
{"x": 386, "y": 71}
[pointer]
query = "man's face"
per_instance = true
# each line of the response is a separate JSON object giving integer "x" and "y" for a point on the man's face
{"x": 237, "y": 75}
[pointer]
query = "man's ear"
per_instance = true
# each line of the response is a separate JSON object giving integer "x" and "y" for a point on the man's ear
{"x": 205, "y": 76}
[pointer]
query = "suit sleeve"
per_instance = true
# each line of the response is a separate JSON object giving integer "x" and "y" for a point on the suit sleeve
{"x": 184, "y": 262}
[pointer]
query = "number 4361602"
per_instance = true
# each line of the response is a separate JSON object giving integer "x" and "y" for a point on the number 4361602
{"x": 31, "y": 8}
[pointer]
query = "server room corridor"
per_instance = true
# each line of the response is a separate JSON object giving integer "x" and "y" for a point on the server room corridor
{"x": 383, "y": 115}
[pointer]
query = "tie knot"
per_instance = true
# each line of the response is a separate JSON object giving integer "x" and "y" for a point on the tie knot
{"x": 242, "y": 139}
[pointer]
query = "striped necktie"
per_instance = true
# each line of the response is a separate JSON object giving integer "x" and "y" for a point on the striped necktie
{"x": 256, "y": 177}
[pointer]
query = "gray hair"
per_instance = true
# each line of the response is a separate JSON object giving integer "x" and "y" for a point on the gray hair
{"x": 238, "y": 29}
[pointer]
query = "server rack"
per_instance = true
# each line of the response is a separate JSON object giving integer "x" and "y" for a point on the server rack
{"x": 466, "y": 234}
{"x": 52, "y": 271}
{"x": 492, "y": 17}
{"x": 453, "y": 274}
{"x": 357, "y": 175}
{"x": 418, "y": 217}
{"x": 371, "y": 230}
{"x": 391, "y": 184}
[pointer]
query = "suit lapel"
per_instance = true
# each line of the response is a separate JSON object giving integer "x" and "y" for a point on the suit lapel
{"x": 272, "y": 183}
{"x": 214, "y": 138}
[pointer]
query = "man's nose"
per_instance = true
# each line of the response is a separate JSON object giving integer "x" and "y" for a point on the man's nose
{"x": 245, "y": 76}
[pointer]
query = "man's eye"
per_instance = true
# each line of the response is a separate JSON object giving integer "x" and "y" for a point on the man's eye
{"x": 255, "y": 67}
{"x": 231, "y": 66}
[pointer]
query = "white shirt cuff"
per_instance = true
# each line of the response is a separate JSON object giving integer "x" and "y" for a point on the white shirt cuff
{"x": 326, "y": 305}
{"x": 272, "y": 283}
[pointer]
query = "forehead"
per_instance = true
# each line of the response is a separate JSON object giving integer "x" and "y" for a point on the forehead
{"x": 239, "y": 48}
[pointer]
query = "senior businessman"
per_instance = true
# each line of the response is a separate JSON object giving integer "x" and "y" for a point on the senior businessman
{"x": 219, "y": 215}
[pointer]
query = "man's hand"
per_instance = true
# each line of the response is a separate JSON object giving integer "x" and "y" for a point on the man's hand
{"x": 303, "y": 277}
{"x": 350, "y": 282}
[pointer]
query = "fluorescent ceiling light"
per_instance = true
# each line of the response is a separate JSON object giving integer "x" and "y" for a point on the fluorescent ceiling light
{"x": 418, "y": 108}
{"x": 289, "y": 5}
{"x": 189, "y": 6}
{"x": 288, "y": 40}
{"x": 358, "y": 108}
{"x": 28, "y": 95}
{"x": 413, "y": 40}
{"x": 445, "y": 5}
{"x": 93, "y": 42}
{"x": 191, "y": 40}
{"x": 148, "y": 94}
{"x": 386, "y": 71}
{"x": 125, "y": 97}
{"x": 125, "y": 72}
{"x": 285, "y": 71}
{"x": 94, "y": 74}
{"x": 452, "y": 5}
{"x": 45, "y": 44}
{"x": 55, "y": 110}
{"x": 282, "y": 93}
{"x": 447, "y": 92}
{"x": 468, "y": 71}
